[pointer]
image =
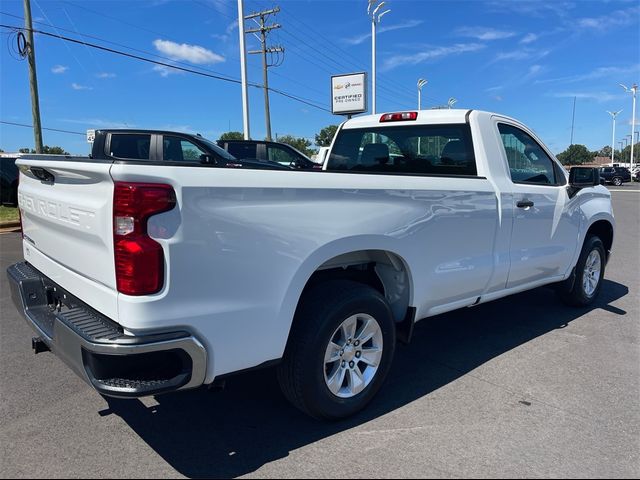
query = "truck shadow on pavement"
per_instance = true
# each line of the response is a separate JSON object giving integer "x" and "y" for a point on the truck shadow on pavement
{"x": 249, "y": 424}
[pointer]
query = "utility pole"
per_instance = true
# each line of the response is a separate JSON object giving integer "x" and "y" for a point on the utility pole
{"x": 33, "y": 79}
{"x": 243, "y": 74}
{"x": 275, "y": 52}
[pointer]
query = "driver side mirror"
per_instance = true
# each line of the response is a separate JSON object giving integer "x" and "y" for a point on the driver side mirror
{"x": 583, "y": 177}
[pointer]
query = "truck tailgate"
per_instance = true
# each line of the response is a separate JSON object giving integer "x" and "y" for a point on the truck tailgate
{"x": 66, "y": 209}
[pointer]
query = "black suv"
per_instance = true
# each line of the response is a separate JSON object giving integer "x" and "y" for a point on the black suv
{"x": 281, "y": 153}
{"x": 615, "y": 175}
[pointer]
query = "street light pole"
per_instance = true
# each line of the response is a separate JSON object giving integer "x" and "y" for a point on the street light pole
{"x": 613, "y": 137}
{"x": 372, "y": 10}
{"x": 633, "y": 91}
{"x": 452, "y": 101}
{"x": 421, "y": 83}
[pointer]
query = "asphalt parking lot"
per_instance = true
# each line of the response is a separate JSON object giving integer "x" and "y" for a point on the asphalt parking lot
{"x": 521, "y": 387}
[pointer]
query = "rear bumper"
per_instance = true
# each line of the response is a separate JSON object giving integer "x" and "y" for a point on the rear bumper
{"x": 97, "y": 349}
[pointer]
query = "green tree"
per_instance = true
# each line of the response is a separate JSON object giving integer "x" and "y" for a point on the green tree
{"x": 298, "y": 143}
{"x": 232, "y": 136}
{"x": 605, "y": 151}
{"x": 47, "y": 150}
{"x": 575, "y": 155}
{"x": 325, "y": 137}
{"x": 625, "y": 154}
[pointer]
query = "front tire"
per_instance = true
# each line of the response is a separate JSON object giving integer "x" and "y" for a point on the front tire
{"x": 340, "y": 349}
{"x": 617, "y": 181}
{"x": 589, "y": 274}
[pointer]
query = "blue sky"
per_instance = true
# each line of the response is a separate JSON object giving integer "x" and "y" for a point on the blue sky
{"x": 526, "y": 59}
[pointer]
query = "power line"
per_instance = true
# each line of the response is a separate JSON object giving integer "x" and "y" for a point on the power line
{"x": 85, "y": 35}
{"x": 43, "y": 128}
{"x": 169, "y": 65}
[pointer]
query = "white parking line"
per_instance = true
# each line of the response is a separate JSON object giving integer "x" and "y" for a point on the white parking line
{"x": 626, "y": 191}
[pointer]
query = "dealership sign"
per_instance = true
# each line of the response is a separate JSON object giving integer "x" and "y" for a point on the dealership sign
{"x": 349, "y": 94}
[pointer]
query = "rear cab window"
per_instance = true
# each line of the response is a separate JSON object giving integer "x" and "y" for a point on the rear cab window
{"x": 405, "y": 150}
{"x": 133, "y": 146}
{"x": 242, "y": 150}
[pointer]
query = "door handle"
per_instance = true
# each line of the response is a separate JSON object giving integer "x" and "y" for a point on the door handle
{"x": 524, "y": 204}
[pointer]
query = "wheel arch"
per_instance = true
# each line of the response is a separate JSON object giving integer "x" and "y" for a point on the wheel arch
{"x": 604, "y": 230}
{"x": 372, "y": 260}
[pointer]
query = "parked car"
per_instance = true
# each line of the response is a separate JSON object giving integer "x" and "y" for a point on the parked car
{"x": 635, "y": 175}
{"x": 8, "y": 181}
{"x": 280, "y": 153}
{"x": 615, "y": 175}
{"x": 168, "y": 148}
{"x": 154, "y": 268}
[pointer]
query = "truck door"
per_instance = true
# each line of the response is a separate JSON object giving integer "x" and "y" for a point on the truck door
{"x": 545, "y": 223}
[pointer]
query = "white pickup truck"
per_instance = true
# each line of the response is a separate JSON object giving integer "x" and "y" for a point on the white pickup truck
{"x": 148, "y": 270}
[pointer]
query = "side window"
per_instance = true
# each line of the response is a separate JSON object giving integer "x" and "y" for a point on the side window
{"x": 176, "y": 149}
{"x": 130, "y": 145}
{"x": 410, "y": 150}
{"x": 280, "y": 155}
{"x": 242, "y": 150}
{"x": 528, "y": 162}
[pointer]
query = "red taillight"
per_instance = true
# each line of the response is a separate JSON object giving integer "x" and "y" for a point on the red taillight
{"x": 398, "y": 117}
{"x": 139, "y": 259}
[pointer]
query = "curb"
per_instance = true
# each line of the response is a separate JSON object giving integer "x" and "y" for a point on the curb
{"x": 10, "y": 224}
{"x": 6, "y": 227}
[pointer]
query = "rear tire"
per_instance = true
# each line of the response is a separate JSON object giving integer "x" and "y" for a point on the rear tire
{"x": 589, "y": 274}
{"x": 326, "y": 371}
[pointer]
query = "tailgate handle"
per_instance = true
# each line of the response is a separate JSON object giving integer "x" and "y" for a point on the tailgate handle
{"x": 42, "y": 174}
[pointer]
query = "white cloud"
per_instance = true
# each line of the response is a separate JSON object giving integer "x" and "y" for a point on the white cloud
{"x": 535, "y": 8}
{"x": 57, "y": 69}
{"x": 522, "y": 54}
{"x": 185, "y": 52}
{"x": 529, "y": 38}
{"x": 534, "y": 71}
{"x": 106, "y": 75}
{"x": 597, "y": 96}
{"x": 431, "y": 54}
{"x": 400, "y": 26}
{"x": 231, "y": 27}
{"x": 618, "y": 18}
{"x": 228, "y": 31}
{"x": 221, "y": 6}
{"x": 77, "y": 86}
{"x": 484, "y": 34}
{"x": 165, "y": 71}
{"x": 601, "y": 72}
